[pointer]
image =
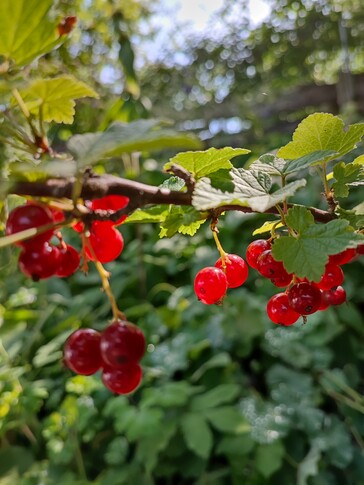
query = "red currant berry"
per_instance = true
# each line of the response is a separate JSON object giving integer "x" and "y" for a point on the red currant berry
{"x": 210, "y": 285}
{"x": 107, "y": 243}
{"x": 254, "y": 250}
{"x": 335, "y": 296}
{"x": 123, "y": 379}
{"x": 282, "y": 281}
{"x": 122, "y": 343}
{"x": 111, "y": 203}
{"x": 343, "y": 257}
{"x": 58, "y": 215}
{"x": 324, "y": 305}
{"x": 280, "y": 312}
{"x": 69, "y": 261}
{"x": 304, "y": 298}
{"x": 360, "y": 249}
{"x": 269, "y": 267}
{"x": 39, "y": 262}
{"x": 333, "y": 276}
{"x": 82, "y": 351}
{"x": 26, "y": 217}
{"x": 236, "y": 270}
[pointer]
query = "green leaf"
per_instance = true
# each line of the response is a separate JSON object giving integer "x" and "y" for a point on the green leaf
{"x": 202, "y": 163}
{"x": 274, "y": 165}
{"x": 170, "y": 395}
{"x": 322, "y": 131}
{"x": 346, "y": 174}
{"x": 173, "y": 183}
{"x": 26, "y": 30}
{"x": 197, "y": 434}
{"x": 307, "y": 254}
{"x": 43, "y": 170}
{"x": 154, "y": 214}
{"x": 269, "y": 458}
{"x": 54, "y": 99}
{"x": 185, "y": 220}
{"x": 228, "y": 420}
{"x": 246, "y": 188}
{"x": 119, "y": 138}
{"x": 235, "y": 445}
{"x": 267, "y": 227}
{"x": 355, "y": 219}
{"x": 216, "y": 396}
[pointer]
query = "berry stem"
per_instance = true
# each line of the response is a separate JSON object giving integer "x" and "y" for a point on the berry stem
{"x": 105, "y": 275}
{"x": 223, "y": 254}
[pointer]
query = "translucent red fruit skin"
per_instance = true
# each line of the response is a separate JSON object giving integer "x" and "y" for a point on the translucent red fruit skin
{"x": 112, "y": 203}
{"x": 210, "y": 285}
{"x": 123, "y": 379}
{"x": 69, "y": 261}
{"x": 344, "y": 257}
{"x": 82, "y": 351}
{"x": 26, "y": 217}
{"x": 122, "y": 343}
{"x": 282, "y": 281}
{"x": 254, "y": 250}
{"x": 39, "y": 262}
{"x": 236, "y": 270}
{"x": 333, "y": 276}
{"x": 269, "y": 267}
{"x": 335, "y": 296}
{"x": 280, "y": 312}
{"x": 107, "y": 242}
{"x": 304, "y": 298}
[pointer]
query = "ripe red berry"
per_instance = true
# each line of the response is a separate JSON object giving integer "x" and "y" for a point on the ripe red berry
{"x": 236, "y": 270}
{"x": 343, "y": 257}
{"x": 111, "y": 203}
{"x": 280, "y": 312}
{"x": 123, "y": 379}
{"x": 254, "y": 250}
{"x": 106, "y": 242}
{"x": 122, "y": 343}
{"x": 304, "y": 298}
{"x": 360, "y": 249}
{"x": 210, "y": 285}
{"x": 282, "y": 281}
{"x": 69, "y": 261}
{"x": 334, "y": 296}
{"x": 39, "y": 262}
{"x": 57, "y": 215}
{"x": 269, "y": 267}
{"x": 333, "y": 276}
{"x": 30, "y": 216}
{"x": 82, "y": 351}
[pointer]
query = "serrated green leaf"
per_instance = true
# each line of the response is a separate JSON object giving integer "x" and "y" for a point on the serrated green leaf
{"x": 228, "y": 420}
{"x": 202, "y": 163}
{"x": 267, "y": 227}
{"x": 197, "y": 434}
{"x": 307, "y": 160}
{"x": 274, "y": 165}
{"x": 359, "y": 160}
{"x": 269, "y": 458}
{"x": 307, "y": 254}
{"x": 154, "y": 214}
{"x": 346, "y": 174}
{"x": 185, "y": 220}
{"x": 26, "y": 30}
{"x": 322, "y": 131}
{"x": 55, "y": 98}
{"x": 119, "y": 138}
{"x": 355, "y": 219}
{"x": 247, "y": 188}
{"x": 216, "y": 396}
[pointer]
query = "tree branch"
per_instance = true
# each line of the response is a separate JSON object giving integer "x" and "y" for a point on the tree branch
{"x": 140, "y": 195}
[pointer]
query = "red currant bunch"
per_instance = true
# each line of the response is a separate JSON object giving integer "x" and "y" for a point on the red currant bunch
{"x": 117, "y": 351}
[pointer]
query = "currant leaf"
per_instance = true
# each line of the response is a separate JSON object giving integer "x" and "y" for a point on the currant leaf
{"x": 202, "y": 163}
{"x": 185, "y": 220}
{"x": 246, "y": 188}
{"x": 345, "y": 175}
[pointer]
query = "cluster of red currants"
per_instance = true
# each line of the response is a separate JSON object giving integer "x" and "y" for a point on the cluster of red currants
{"x": 40, "y": 259}
{"x": 301, "y": 297}
{"x": 117, "y": 351}
{"x": 211, "y": 283}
